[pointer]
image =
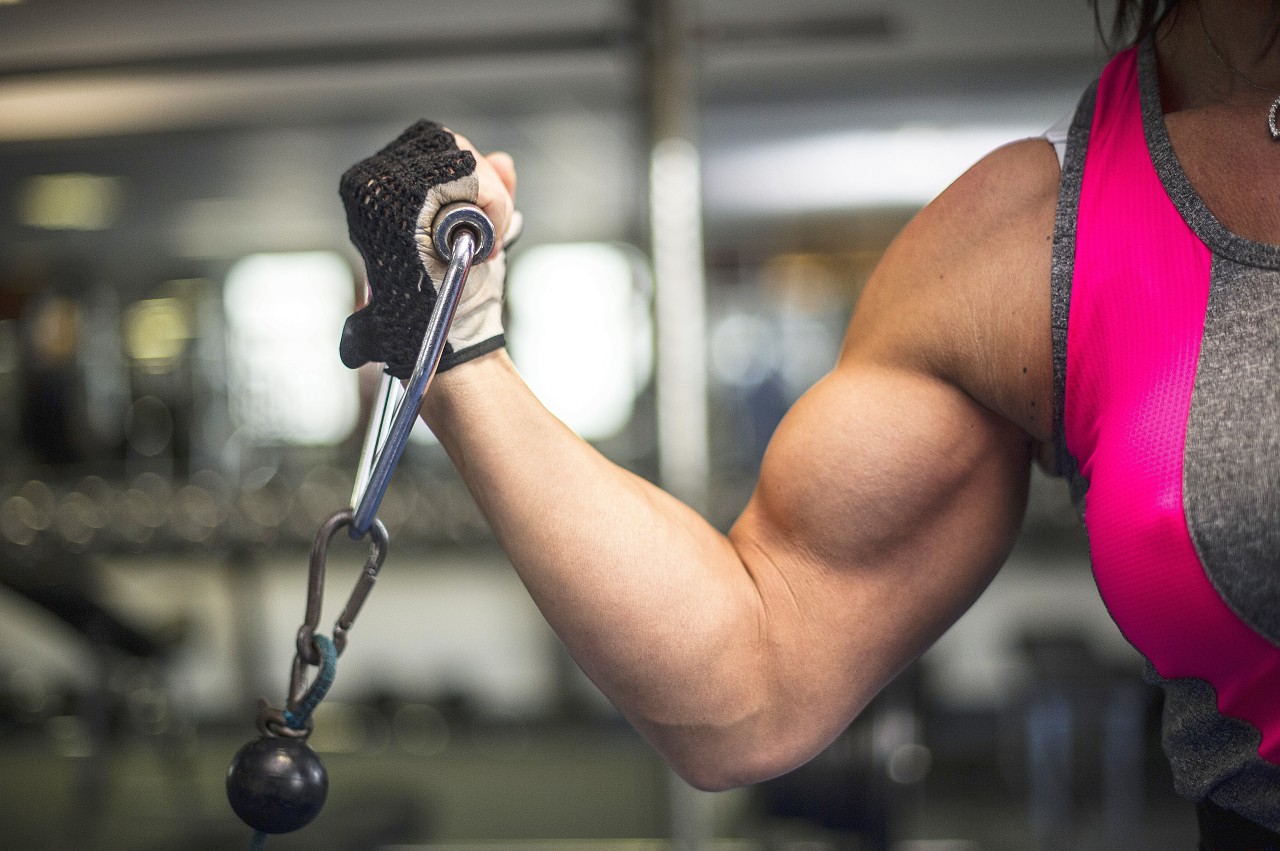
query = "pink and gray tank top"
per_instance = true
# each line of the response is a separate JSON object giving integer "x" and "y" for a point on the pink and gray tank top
{"x": 1166, "y": 333}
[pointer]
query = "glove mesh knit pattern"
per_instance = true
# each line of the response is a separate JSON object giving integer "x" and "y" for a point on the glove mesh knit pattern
{"x": 383, "y": 196}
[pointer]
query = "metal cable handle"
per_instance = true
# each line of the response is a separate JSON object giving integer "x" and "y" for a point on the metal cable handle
{"x": 463, "y": 236}
{"x": 277, "y": 783}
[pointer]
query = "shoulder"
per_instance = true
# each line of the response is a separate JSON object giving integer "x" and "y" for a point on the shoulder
{"x": 963, "y": 294}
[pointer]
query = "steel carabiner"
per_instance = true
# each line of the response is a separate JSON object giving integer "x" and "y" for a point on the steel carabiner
{"x": 307, "y": 651}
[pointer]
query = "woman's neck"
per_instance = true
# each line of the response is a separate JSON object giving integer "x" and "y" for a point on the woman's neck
{"x": 1219, "y": 52}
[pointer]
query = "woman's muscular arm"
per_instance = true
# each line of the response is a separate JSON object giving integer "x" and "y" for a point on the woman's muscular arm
{"x": 888, "y": 497}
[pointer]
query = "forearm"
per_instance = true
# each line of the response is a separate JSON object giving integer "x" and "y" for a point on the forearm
{"x": 652, "y": 601}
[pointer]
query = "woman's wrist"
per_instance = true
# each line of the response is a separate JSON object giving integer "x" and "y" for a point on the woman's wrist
{"x": 465, "y": 387}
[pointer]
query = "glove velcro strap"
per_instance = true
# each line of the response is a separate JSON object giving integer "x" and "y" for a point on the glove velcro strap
{"x": 452, "y": 358}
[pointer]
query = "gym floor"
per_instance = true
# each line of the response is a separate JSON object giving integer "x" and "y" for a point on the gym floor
{"x": 581, "y": 786}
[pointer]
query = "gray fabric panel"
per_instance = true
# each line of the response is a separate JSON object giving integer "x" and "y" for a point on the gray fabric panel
{"x": 1213, "y": 756}
{"x": 1184, "y": 197}
{"x": 1231, "y": 465}
{"x": 1064, "y": 256}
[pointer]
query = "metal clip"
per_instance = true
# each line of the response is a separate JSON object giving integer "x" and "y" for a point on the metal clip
{"x": 272, "y": 722}
{"x": 307, "y": 651}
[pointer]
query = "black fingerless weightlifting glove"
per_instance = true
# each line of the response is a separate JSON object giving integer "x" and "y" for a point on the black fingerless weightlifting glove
{"x": 391, "y": 200}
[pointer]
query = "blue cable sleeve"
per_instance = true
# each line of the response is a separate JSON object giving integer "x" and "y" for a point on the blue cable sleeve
{"x": 297, "y": 719}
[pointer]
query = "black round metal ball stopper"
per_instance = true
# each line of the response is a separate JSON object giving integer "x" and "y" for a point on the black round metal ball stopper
{"x": 277, "y": 784}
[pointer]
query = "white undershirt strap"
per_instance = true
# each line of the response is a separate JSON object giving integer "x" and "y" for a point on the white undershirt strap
{"x": 1057, "y": 136}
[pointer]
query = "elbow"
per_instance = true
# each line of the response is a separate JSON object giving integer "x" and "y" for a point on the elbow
{"x": 721, "y": 777}
{"x": 755, "y": 735}
{"x": 710, "y": 775}
{"x": 719, "y": 765}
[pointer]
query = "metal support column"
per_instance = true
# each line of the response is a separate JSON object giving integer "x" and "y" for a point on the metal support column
{"x": 675, "y": 222}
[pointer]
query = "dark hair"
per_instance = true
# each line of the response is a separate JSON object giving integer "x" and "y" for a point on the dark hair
{"x": 1131, "y": 21}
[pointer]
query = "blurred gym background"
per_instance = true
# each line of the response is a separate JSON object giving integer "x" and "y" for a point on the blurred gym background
{"x": 707, "y": 185}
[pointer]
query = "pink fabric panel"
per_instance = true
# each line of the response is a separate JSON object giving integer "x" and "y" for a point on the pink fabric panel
{"x": 1139, "y": 291}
